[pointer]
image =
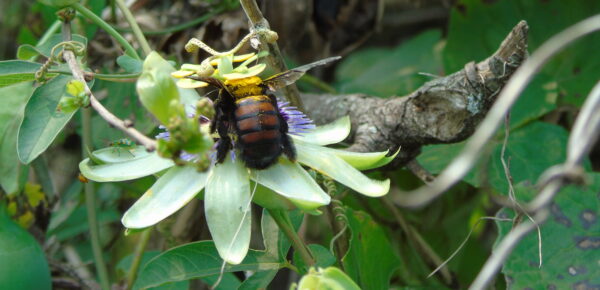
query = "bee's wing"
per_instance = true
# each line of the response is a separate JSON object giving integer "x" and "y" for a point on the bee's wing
{"x": 212, "y": 81}
{"x": 289, "y": 77}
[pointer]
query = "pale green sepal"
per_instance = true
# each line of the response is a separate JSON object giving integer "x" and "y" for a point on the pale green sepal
{"x": 227, "y": 209}
{"x": 239, "y": 73}
{"x": 293, "y": 182}
{"x": 156, "y": 87}
{"x": 118, "y": 154}
{"x": 136, "y": 167}
{"x": 336, "y": 168}
{"x": 169, "y": 193}
{"x": 331, "y": 133}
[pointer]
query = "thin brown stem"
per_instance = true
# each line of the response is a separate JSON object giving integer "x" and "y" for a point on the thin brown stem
{"x": 274, "y": 58}
{"x": 113, "y": 120}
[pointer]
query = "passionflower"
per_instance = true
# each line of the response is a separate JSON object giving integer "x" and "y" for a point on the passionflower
{"x": 229, "y": 188}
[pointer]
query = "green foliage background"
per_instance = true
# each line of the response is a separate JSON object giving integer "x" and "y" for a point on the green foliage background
{"x": 381, "y": 253}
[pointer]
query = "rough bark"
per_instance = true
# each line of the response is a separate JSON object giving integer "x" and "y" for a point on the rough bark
{"x": 444, "y": 110}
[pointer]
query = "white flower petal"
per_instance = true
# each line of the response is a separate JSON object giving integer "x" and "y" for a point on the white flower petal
{"x": 331, "y": 133}
{"x": 336, "y": 168}
{"x": 227, "y": 209}
{"x": 171, "y": 192}
{"x": 292, "y": 181}
{"x": 134, "y": 167}
{"x": 360, "y": 161}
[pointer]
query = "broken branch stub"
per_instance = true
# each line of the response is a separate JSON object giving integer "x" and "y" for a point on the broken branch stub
{"x": 444, "y": 110}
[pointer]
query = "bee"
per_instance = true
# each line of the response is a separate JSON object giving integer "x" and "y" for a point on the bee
{"x": 246, "y": 111}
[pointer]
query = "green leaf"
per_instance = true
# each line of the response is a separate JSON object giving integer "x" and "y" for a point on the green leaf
{"x": 477, "y": 28}
{"x": 390, "y": 73}
{"x": 370, "y": 260}
{"x": 336, "y": 168}
{"x": 42, "y": 123}
{"x": 323, "y": 258}
{"x": 16, "y": 71}
{"x": 156, "y": 87}
{"x": 570, "y": 242}
{"x": 196, "y": 260}
{"x": 24, "y": 264}
{"x": 525, "y": 149}
{"x": 132, "y": 167}
{"x": 59, "y": 3}
{"x": 258, "y": 280}
{"x": 293, "y": 182}
{"x": 171, "y": 192}
{"x": 12, "y": 173}
{"x": 276, "y": 242}
{"x": 129, "y": 64}
{"x": 125, "y": 264}
{"x": 26, "y": 51}
{"x": 227, "y": 209}
{"x": 330, "y": 278}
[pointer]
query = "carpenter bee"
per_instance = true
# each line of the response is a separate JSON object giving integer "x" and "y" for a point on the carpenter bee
{"x": 247, "y": 117}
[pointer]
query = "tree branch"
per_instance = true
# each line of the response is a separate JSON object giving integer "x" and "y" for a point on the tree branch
{"x": 125, "y": 126}
{"x": 444, "y": 110}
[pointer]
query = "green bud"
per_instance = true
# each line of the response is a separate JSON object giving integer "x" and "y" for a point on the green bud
{"x": 204, "y": 107}
{"x": 75, "y": 88}
{"x": 156, "y": 87}
{"x": 162, "y": 148}
{"x": 68, "y": 104}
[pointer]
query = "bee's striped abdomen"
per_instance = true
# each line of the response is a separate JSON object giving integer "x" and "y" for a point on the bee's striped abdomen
{"x": 258, "y": 130}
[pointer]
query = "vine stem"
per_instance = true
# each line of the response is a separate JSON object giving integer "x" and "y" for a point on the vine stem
{"x": 137, "y": 32}
{"x": 90, "y": 195}
{"x": 282, "y": 219}
{"x": 179, "y": 27}
{"x": 129, "y": 50}
{"x": 137, "y": 258}
{"x": 274, "y": 58}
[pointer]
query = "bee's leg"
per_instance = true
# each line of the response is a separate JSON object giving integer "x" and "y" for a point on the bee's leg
{"x": 224, "y": 144}
{"x": 286, "y": 141}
